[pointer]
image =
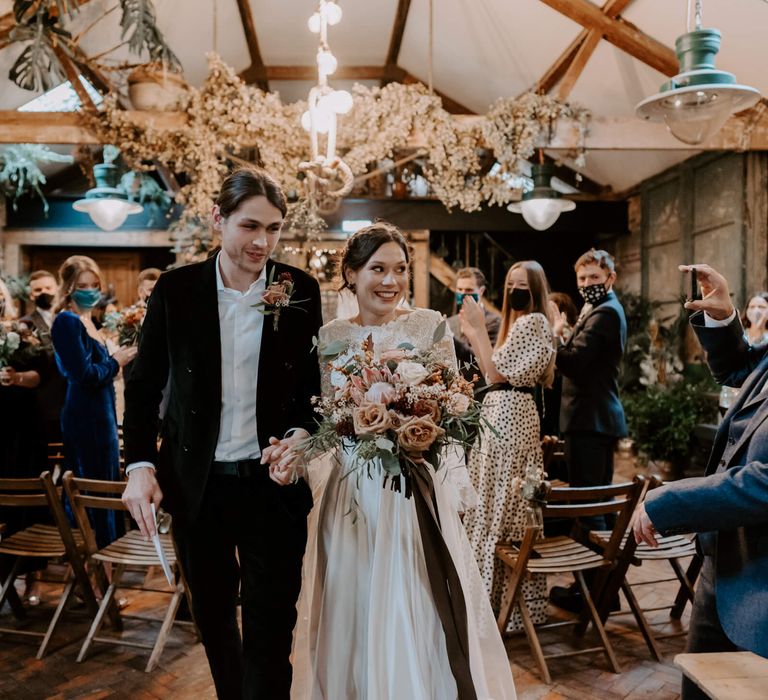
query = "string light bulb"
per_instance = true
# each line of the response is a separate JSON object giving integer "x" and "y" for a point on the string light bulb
{"x": 326, "y": 62}
{"x": 314, "y": 23}
{"x": 332, "y": 12}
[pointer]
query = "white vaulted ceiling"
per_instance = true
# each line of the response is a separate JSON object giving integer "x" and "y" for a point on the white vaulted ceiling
{"x": 483, "y": 50}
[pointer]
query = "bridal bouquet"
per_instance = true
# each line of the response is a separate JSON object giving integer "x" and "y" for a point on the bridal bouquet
{"x": 394, "y": 412}
{"x": 126, "y": 324}
{"x": 18, "y": 343}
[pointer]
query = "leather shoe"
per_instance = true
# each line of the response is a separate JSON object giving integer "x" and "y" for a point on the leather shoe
{"x": 570, "y": 599}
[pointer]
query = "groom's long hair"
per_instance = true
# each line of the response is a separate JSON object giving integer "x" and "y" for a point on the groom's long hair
{"x": 246, "y": 182}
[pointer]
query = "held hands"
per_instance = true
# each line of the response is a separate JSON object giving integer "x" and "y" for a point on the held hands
{"x": 716, "y": 299}
{"x": 471, "y": 317}
{"x": 125, "y": 355}
{"x": 284, "y": 457}
{"x": 643, "y": 528}
{"x": 142, "y": 490}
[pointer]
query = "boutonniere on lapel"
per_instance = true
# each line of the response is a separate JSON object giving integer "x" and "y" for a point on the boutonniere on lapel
{"x": 277, "y": 296}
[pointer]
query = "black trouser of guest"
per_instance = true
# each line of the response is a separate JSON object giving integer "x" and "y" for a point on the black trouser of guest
{"x": 705, "y": 633}
{"x": 265, "y": 525}
{"x": 590, "y": 463}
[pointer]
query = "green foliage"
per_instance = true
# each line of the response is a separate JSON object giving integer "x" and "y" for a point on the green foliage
{"x": 143, "y": 188}
{"x": 639, "y": 312}
{"x": 662, "y": 418}
{"x": 39, "y": 22}
{"x": 20, "y": 172}
{"x": 140, "y": 26}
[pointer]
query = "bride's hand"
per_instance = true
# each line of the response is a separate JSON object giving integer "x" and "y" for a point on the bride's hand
{"x": 284, "y": 456}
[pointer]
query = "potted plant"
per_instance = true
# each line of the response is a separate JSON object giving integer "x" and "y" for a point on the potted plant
{"x": 662, "y": 419}
{"x": 155, "y": 86}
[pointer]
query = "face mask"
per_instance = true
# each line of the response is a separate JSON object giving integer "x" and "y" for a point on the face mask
{"x": 44, "y": 301}
{"x": 755, "y": 316}
{"x": 593, "y": 293}
{"x": 86, "y": 298}
{"x": 519, "y": 298}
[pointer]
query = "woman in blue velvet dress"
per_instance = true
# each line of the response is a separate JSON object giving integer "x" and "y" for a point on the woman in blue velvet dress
{"x": 88, "y": 420}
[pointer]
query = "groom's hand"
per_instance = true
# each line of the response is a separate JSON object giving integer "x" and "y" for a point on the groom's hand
{"x": 283, "y": 456}
{"x": 142, "y": 490}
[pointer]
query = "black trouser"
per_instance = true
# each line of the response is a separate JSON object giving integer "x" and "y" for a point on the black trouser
{"x": 265, "y": 524}
{"x": 705, "y": 633}
{"x": 590, "y": 463}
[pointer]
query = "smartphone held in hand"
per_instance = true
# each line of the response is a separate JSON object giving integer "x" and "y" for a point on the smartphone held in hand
{"x": 693, "y": 293}
{"x": 460, "y": 298}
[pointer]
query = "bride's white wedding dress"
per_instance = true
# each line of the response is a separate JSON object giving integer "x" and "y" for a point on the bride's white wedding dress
{"x": 368, "y": 627}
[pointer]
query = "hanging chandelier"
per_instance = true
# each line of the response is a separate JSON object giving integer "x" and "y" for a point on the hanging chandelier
{"x": 699, "y": 99}
{"x": 542, "y": 205}
{"x": 107, "y": 204}
{"x": 328, "y": 177}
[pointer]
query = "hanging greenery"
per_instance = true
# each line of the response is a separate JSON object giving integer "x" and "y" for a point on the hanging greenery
{"x": 225, "y": 115}
{"x": 39, "y": 24}
{"x": 20, "y": 172}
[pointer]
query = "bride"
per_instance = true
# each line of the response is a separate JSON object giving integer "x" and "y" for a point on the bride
{"x": 369, "y": 627}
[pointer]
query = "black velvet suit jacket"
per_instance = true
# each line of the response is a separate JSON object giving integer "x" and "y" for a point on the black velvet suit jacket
{"x": 589, "y": 363}
{"x": 180, "y": 339}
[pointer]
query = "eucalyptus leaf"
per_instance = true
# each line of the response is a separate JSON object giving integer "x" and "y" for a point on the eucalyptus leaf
{"x": 385, "y": 444}
{"x": 332, "y": 350}
{"x": 406, "y": 346}
{"x": 439, "y": 333}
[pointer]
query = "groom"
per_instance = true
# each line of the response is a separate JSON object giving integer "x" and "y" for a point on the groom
{"x": 239, "y": 380}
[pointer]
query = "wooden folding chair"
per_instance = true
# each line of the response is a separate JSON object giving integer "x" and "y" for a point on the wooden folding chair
{"x": 57, "y": 541}
{"x": 130, "y": 550}
{"x": 672, "y": 549}
{"x": 557, "y": 555}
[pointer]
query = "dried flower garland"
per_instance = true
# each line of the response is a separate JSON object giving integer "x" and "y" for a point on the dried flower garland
{"x": 226, "y": 115}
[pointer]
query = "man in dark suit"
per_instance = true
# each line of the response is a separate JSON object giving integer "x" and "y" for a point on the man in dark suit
{"x": 591, "y": 414}
{"x": 52, "y": 389}
{"x": 728, "y": 506}
{"x": 239, "y": 380}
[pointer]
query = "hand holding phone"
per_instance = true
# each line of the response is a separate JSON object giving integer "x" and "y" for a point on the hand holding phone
{"x": 460, "y": 298}
{"x": 714, "y": 297}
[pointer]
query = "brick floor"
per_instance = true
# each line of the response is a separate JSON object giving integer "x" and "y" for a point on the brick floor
{"x": 118, "y": 672}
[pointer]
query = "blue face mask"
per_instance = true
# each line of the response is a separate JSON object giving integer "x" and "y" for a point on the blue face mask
{"x": 86, "y": 298}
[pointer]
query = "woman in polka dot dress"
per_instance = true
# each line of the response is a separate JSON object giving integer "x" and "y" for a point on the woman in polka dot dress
{"x": 523, "y": 357}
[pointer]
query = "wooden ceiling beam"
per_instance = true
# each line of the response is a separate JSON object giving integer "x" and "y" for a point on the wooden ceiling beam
{"x": 555, "y": 73}
{"x": 743, "y": 132}
{"x": 310, "y": 73}
{"x": 396, "y": 37}
{"x": 621, "y": 34}
{"x": 253, "y": 74}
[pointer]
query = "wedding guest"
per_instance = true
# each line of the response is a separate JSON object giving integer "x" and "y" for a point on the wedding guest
{"x": 591, "y": 415}
{"x": 240, "y": 380}
{"x": 563, "y": 309}
{"x": 470, "y": 281}
{"x": 510, "y": 453}
{"x": 146, "y": 283}
{"x": 754, "y": 320}
{"x": 22, "y": 451}
{"x": 727, "y": 507}
{"x": 7, "y": 305}
{"x": 53, "y": 387}
{"x": 88, "y": 420}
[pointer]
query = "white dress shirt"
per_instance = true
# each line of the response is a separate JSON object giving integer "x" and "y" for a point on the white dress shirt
{"x": 241, "y": 327}
{"x": 46, "y": 315}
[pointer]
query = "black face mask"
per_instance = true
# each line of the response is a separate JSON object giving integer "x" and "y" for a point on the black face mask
{"x": 519, "y": 298}
{"x": 593, "y": 293}
{"x": 44, "y": 301}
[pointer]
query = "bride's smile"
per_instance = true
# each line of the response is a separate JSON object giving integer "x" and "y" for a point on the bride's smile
{"x": 380, "y": 284}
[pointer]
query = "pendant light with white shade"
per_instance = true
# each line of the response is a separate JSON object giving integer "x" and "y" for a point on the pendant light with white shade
{"x": 542, "y": 205}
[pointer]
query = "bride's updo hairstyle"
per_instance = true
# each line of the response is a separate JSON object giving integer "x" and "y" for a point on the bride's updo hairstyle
{"x": 246, "y": 182}
{"x": 364, "y": 243}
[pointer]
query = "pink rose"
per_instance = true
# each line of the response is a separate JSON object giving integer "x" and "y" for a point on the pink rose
{"x": 417, "y": 434}
{"x": 371, "y": 418}
{"x": 275, "y": 295}
{"x": 458, "y": 404}
{"x": 381, "y": 392}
